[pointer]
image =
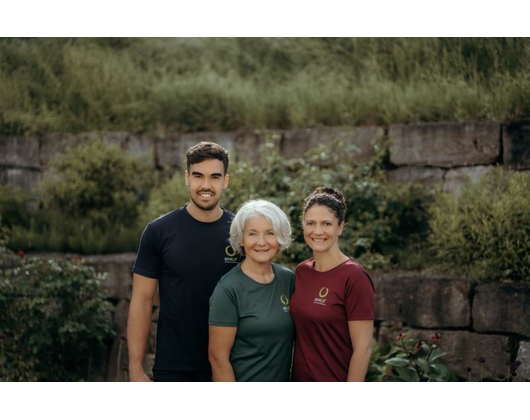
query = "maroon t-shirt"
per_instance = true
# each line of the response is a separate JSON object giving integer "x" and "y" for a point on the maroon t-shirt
{"x": 321, "y": 306}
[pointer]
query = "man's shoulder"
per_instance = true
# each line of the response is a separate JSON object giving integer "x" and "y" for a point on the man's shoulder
{"x": 168, "y": 218}
{"x": 227, "y": 213}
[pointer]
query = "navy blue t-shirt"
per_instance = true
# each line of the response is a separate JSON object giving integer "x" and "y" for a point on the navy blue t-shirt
{"x": 188, "y": 257}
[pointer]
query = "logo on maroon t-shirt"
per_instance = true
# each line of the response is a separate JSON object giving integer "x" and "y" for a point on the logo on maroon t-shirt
{"x": 321, "y": 295}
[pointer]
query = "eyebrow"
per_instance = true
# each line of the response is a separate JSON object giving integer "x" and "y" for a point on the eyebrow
{"x": 200, "y": 173}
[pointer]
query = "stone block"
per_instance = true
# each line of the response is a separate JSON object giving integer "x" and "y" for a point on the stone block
{"x": 421, "y": 300}
{"x": 168, "y": 152}
{"x": 456, "y": 179}
{"x": 142, "y": 147}
{"x": 428, "y": 177}
{"x": 118, "y": 266}
{"x": 25, "y": 178}
{"x": 516, "y": 144}
{"x": 502, "y": 308}
{"x": 54, "y": 145}
{"x": 248, "y": 144}
{"x": 18, "y": 151}
{"x": 445, "y": 144}
{"x": 149, "y": 363}
{"x": 523, "y": 355}
{"x": 298, "y": 141}
{"x": 120, "y": 316}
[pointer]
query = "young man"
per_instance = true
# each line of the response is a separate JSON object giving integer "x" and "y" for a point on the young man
{"x": 186, "y": 252}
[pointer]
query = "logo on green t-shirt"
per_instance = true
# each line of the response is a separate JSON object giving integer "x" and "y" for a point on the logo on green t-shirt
{"x": 285, "y": 300}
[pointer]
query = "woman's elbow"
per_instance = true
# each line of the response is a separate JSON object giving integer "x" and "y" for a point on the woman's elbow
{"x": 216, "y": 357}
{"x": 364, "y": 349}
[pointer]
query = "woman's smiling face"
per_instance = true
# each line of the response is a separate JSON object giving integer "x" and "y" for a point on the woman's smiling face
{"x": 321, "y": 228}
{"x": 259, "y": 240}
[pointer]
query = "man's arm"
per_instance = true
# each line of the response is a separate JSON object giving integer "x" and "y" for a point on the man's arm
{"x": 139, "y": 323}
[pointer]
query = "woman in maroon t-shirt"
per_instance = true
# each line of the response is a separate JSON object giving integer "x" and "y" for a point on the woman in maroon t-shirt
{"x": 333, "y": 301}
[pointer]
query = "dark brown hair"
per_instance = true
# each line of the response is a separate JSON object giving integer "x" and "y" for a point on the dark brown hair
{"x": 207, "y": 150}
{"x": 328, "y": 197}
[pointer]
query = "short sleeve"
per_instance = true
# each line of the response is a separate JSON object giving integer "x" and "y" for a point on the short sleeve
{"x": 223, "y": 308}
{"x": 359, "y": 296}
{"x": 148, "y": 261}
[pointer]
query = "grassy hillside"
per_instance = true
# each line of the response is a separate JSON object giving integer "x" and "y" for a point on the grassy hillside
{"x": 189, "y": 84}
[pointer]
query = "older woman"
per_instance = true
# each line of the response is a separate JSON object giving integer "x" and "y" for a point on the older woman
{"x": 251, "y": 331}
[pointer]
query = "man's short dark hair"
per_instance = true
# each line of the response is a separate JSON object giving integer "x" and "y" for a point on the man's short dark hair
{"x": 207, "y": 150}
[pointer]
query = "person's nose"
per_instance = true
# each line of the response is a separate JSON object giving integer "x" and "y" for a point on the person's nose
{"x": 261, "y": 240}
{"x": 318, "y": 229}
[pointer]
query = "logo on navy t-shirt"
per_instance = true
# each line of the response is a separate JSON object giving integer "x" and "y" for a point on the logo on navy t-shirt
{"x": 230, "y": 257}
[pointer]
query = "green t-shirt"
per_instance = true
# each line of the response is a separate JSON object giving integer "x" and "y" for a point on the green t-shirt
{"x": 263, "y": 345}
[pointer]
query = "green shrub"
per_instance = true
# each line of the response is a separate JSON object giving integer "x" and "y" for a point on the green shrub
{"x": 13, "y": 206}
{"x": 382, "y": 217}
{"x": 485, "y": 232}
{"x": 98, "y": 183}
{"x": 31, "y": 229}
{"x": 409, "y": 360}
{"x": 4, "y": 234}
{"x": 52, "y": 231}
{"x": 90, "y": 203}
{"x": 166, "y": 197}
{"x": 55, "y": 321}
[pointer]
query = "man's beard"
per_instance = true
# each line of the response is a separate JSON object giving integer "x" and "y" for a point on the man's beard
{"x": 205, "y": 208}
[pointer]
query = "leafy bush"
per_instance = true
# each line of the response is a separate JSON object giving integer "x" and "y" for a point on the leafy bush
{"x": 55, "y": 321}
{"x": 52, "y": 231}
{"x": 4, "y": 234}
{"x": 409, "y": 360}
{"x": 89, "y": 203}
{"x": 485, "y": 232}
{"x": 13, "y": 206}
{"x": 97, "y": 182}
{"x": 166, "y": 197}
{"x": 381, "y": 217}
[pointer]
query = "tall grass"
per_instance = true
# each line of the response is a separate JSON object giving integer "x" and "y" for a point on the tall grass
{"x": 189, "y": 84}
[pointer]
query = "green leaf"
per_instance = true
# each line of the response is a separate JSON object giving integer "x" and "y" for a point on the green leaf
{"x": 397, "y": 361}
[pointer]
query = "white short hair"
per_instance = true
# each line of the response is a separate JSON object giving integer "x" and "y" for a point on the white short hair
{"x": 279, "y": 220}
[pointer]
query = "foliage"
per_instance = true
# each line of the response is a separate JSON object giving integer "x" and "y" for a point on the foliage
{"x": 166, "y": 197}
{"x": 190, "y": 84}
{"x": 4, "y": 234}
{"x": 485, "y": 232}
{"x": 13, "y": 206}
{"x": 52, "y": 231}
{"x": 55, "y": 321}
{"x": 88, "y": 203}
{"x": 381, "y": 217}
{"x": 409, "y": 360}
{"x": 97, "y": 182}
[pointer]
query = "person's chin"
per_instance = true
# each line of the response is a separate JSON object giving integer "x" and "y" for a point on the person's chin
{"x": 262, "y": 259}
{"x": 206, "y": 206}
{"x": 318, "y": 248}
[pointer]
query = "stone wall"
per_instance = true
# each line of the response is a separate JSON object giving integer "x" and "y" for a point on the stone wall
{"x": 487, "y": 320}
{"x": 444, "y": 154}
{"x": 475, "y": 320}
{"x": 447, "y": 154}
